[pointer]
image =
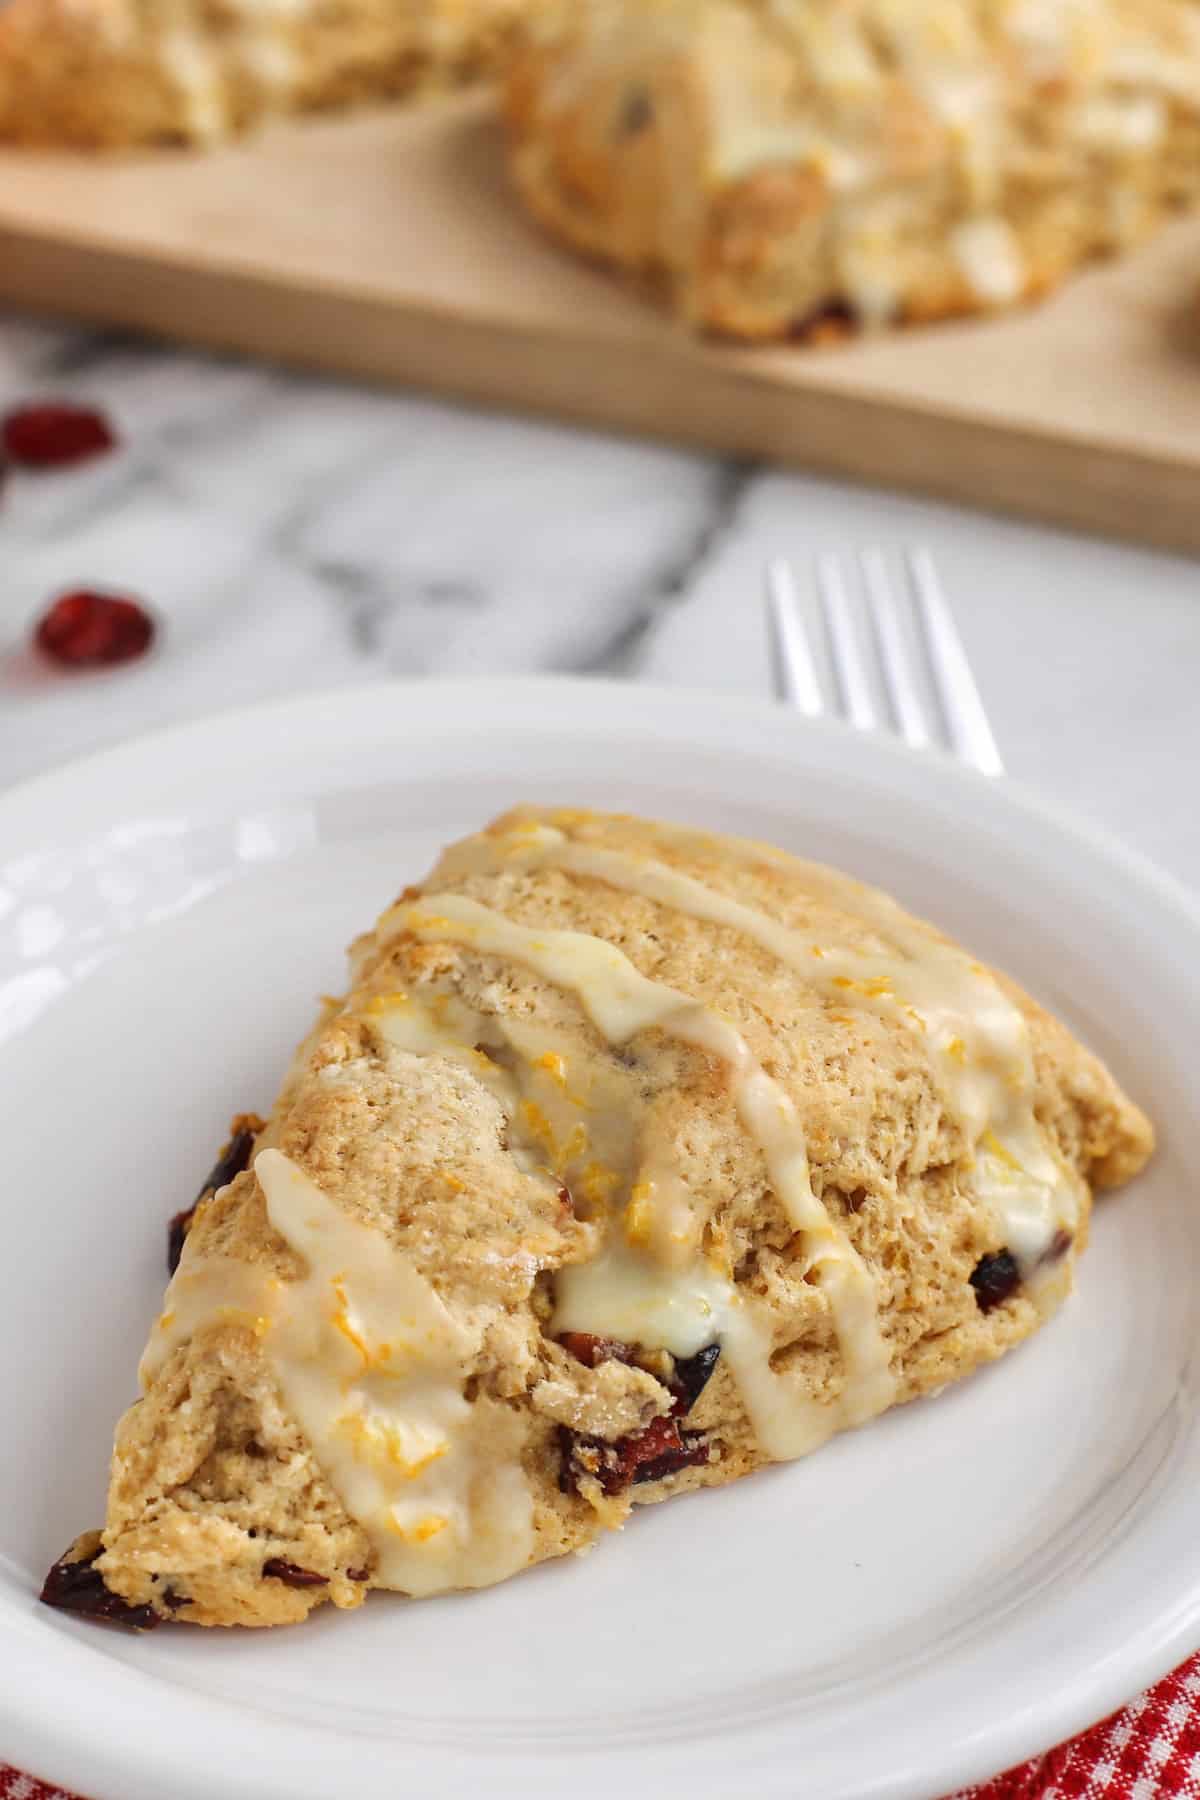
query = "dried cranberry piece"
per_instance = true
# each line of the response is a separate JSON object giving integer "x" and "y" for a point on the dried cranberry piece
{"x": 692, "y": 1451}
{"x": 1060, "y": 1243}
{"x": 86, "y": 629}
{"x": 233, "y": 1159}
{"x": 235, "y": 1155}
{"x": 829, "y": 323}
{"x": 177, "y": 1230}
{"x": 995, "y": 1279}
{"x": 691, "y": 1373}
{"x": 568, "y": 1474}
{"x": 587, "y": 1348}
{"x": 641, "y": 1448}
{"x": 78, "y": 1587}
{"x": 358, "y": 1574}
{"x": 661, "y": 1449}
{"x": 291, "y": 1574}
{"x": 53, "y": 434}
{"x": 692, "y": 1376}
{"x": 636, "y": 114}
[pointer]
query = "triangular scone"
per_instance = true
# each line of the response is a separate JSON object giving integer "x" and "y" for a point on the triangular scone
{"x": 633, "y": 1159}
{"x": 115, "y": 72}
{"x": 805, "y": 167}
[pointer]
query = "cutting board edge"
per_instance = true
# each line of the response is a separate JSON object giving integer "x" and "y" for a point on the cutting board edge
{"x": 711, "y": 403}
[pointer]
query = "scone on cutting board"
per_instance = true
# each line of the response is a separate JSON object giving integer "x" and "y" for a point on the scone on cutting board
{"x": 633, "y": 1159}
{"x": 781, "y": 166}
{"x": 121, "y": 72}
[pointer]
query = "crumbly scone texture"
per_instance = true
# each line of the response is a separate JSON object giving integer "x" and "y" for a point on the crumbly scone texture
{"x": 796, "y": 168}
{"x": 112, "y": 73}
{"x": 212, "y": 1481}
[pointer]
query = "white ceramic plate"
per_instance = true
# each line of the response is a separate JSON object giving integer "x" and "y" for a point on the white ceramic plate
{"x": 959, "y": 1585}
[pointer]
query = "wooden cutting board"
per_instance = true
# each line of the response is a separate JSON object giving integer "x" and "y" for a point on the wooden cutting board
{"x": 386, "y": 246}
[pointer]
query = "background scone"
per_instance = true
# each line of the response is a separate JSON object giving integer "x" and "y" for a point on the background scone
{"x": 113, "y": 72}
{"x": 634, "y": 1158}
{"x": 774, "y": 164}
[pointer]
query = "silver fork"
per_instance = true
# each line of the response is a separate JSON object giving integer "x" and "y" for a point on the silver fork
{"x": 963, "y": 719}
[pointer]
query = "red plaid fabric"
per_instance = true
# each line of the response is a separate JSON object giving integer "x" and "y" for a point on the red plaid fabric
{"x": 1148, "y": 1751}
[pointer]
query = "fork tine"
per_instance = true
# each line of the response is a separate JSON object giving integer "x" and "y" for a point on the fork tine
{"x": 966, "y": 722}
{"x": 905, "y": 702}
{"x": 794, "y": 673}
{"x": 844, "y": 652}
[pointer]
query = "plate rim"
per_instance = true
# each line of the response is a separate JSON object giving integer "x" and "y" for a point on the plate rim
{"x": 1156, "y": 1646}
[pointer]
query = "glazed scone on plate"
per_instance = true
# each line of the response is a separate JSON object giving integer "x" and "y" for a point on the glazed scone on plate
{"x": 633, "y": 1159}
{"x": 122, "y": 72}
{"x": 778, "y": 165}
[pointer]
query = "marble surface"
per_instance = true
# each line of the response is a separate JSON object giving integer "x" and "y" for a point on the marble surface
{"x": 295, "y": 533}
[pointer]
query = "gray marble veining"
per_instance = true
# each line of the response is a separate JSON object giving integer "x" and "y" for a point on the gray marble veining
{"x": 293, "y": 533}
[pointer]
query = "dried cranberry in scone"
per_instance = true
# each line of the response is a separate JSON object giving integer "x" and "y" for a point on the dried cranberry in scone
{"x": 692, "y": 1375}
{"x": 291, "y": 1574}
{"x": 688, "y": 1377}
{"x": 995, "y": 1279}
{"x": 662, "y": 1449}
{"x": 75, "y": 1585}
{"x": 1060, "y": 1243}
{"x": 586, "y": 1347}
{"x": 233, "y": 1159}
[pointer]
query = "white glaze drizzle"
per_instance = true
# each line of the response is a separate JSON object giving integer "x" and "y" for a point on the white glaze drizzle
{"x": 989, "y": 255}
{"x": 268, "y": 57}
{"x": 371, "y": 1365}
{"x": 214, "y": 1290}
{"x": 621, "y": 1002}
{"x": 194, "y": 66}
{"x": 971, "y": 77}
{"x": 978, "y": 1038}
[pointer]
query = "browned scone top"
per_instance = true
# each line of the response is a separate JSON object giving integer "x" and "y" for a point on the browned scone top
{"x": 791, "y": 167}
{"x": 107, "y": 73}
{"x": 633, "y": 1158}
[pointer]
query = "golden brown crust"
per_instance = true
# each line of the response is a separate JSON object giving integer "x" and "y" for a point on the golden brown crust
{"x": 769, "y": 166}
{"x": 112, "y": 73}
{"x": 213, "y": 1484}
